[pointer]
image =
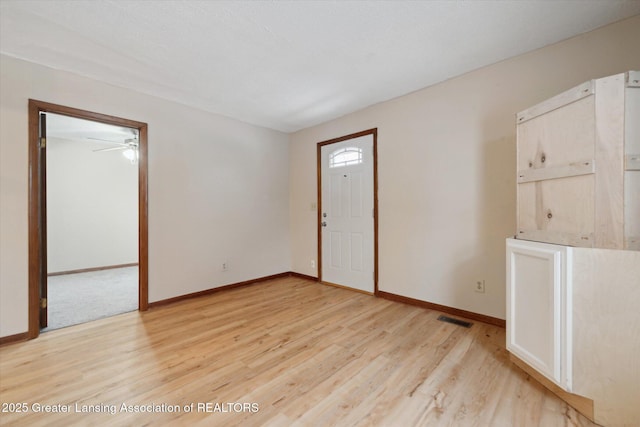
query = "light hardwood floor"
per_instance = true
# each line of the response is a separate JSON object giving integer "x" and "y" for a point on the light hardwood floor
{"x": 305, "y": 353}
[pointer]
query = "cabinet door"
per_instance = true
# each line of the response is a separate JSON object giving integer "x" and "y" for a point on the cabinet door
{"x": 536, "y": 327}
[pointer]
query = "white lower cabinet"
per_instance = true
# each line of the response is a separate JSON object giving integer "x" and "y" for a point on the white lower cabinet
{"x": 573, "y": 324}
{"x": 539, "y": 308}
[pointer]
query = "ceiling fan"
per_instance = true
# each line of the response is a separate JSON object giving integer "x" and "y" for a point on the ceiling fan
{"x": 129, "y": 147}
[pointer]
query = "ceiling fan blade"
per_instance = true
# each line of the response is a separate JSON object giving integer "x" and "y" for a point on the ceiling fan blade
{"x": 107, "y": 140}
{"x": 112, "y": 148}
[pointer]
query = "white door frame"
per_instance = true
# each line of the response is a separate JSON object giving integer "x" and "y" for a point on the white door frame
{"x": 374, "y": 133}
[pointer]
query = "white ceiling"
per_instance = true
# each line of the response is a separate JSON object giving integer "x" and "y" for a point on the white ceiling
{"x": 89, "y": 132}
{"x": 288, "y": 65}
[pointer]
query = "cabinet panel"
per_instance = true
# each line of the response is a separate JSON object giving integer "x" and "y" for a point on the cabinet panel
{"x": 535, "y": 316}
{"x": 609, "y": 159}
{"x": 632, "y": 210}
{"x": 632, "y": 174}
{"x": 558, "y": 210}
{"x": 632, "y": 120}
{"x": 558, "y": 138}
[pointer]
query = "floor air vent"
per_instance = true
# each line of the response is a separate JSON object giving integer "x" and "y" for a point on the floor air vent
{"x": 455, "y": 321}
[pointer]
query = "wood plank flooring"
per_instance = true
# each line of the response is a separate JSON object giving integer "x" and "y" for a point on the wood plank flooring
{"x": 285, "y": 352}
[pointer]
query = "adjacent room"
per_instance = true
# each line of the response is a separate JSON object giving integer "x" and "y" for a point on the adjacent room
{"x": 92, "y": 220}
{"x": 308, "y": 209}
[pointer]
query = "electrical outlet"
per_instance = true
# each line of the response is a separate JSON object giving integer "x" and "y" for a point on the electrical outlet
{"x": 479, "y": 286}
{"x": 313, "y": 264}
{"x": 225, "y": 266}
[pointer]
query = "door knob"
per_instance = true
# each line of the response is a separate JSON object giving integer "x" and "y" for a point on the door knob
{"x": 324, "y": 223}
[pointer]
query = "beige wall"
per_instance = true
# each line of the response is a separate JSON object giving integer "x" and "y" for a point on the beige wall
{"x": 92, "y": 206}
{"x": 447, "y": 169}
{"x": 218, "y": 188}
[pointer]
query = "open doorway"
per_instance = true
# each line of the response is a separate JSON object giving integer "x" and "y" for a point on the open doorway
{"x": 82, "y": 140}
{"x": 92, "y": 226}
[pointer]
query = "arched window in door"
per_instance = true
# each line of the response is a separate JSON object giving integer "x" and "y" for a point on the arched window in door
{"x": 345, "y": 157}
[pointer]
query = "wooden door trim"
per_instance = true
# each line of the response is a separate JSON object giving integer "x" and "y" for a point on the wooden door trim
{"x": 35, "y": 226}
{"x": 319, "y": 146}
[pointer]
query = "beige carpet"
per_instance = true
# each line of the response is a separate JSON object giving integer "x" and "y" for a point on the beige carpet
{"x": 82, "y": 297}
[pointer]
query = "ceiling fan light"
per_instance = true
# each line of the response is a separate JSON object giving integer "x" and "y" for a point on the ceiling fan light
{"x": 131, "y": 154}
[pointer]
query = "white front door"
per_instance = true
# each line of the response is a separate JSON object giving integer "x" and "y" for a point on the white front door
{"x": 347, "y": 215}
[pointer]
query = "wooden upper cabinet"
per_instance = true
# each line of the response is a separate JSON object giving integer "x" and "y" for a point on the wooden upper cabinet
{"x": 578, "y": 168}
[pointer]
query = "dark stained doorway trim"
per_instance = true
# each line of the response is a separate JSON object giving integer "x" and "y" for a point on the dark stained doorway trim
{"x": 36, "y": 210}
{"x": 373, "y": 132}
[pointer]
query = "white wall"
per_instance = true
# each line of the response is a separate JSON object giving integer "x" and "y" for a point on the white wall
{"x": 92, "y": 206}
{"x": 218, "y": 188}
{"x": 447, "y": 172}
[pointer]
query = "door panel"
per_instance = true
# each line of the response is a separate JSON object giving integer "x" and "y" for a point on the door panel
{"x": 357, "y": 251}
{"x": 335, "y": 248}
{"x": 335, "y": 207}
{"x": 356, "y": 194}
{"x": 347, "y": 236}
